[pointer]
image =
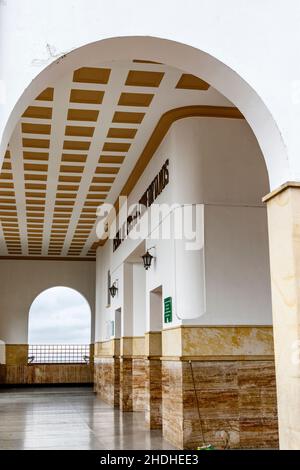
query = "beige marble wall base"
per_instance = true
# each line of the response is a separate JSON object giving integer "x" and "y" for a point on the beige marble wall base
{"x": 16, "y": 354}
{"x": 138, "y": 384}
{"x": 234, "y": 379}
{"x": 222, "y": 341}
{"x": 237, "y": 404}
{"x": 153, "y": 398}
{"x": 153, "y": 369}
{"x": 107, "y": 380}
{"x": 126, "y": 386}
{"x": 2, "y": 373}
{"x": 21, "y": 374}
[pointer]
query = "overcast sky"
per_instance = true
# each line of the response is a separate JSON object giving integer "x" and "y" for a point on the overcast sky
{"x": 59, "y": 316}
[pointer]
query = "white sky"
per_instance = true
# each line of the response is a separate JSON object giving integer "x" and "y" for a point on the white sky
{"x": 59, "y": 315}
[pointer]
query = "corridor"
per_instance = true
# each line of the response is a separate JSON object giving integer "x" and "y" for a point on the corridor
{"x": 69, "y": 418}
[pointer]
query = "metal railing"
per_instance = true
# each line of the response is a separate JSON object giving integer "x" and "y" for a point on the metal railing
{"x": 59, "y": 354}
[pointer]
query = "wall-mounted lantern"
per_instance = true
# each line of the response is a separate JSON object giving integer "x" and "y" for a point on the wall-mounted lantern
{"x": 147, "y": 258}
{"x": 113, "y": 289}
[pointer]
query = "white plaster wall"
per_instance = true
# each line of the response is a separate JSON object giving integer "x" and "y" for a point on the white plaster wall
{"x": 131, "y": 298}
{"x": 237, "y": 272}
{"x": 22, "y": 280}
{"x": 127, "y": 300}
{"x": 219, "y": 163}
{"x": 124, "y": 297}
{"x": 155, "y": 317}
{"x": 107, "y": 259}
{"x": 101, "y": 313}
{"x": 216, "y": 163}
{"x": 139, "y": 299}
{"x": 258, "y": 41}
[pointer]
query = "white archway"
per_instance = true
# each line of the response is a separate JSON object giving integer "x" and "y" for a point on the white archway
{"x": 59, "y": 315}
{"x": 184, "y": 57}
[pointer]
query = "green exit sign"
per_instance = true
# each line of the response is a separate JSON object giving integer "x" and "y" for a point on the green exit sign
{"x": 168, "y": 310}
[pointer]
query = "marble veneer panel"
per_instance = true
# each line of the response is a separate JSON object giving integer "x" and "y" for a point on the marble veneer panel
{"x": 152, "y": 344}
{"x": 107, "y": 348}
{"x": 257, "y": 405}
{"x": 48, "y": 374}
{"x": 172, "y": 402}
{"x": 237, "y": 403}
{"x": 2, "y": 373}
{"x": 138, "y": 384}
{"x": 107, "y": 380}
{"x": 153, "y": 393}
{"x": 16, "y": 354}
{"x": 126, "y": 386}
{"x": 132, "y": 346}
{"x": 218, "y": 341}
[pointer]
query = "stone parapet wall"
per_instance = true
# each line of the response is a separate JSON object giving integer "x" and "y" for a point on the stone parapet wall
{"x": 35, "y": 374}
{"x": 17, "y": 370}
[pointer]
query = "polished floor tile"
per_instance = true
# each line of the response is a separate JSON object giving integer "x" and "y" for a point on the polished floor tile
{"x": 69, "y": 418}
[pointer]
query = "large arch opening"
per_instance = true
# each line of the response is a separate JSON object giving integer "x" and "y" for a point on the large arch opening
{"x": 174, "y": 54}
{"x": 59, "y": 327}
{"x": 154, "y": 83}
{"x": 93, "y": 156}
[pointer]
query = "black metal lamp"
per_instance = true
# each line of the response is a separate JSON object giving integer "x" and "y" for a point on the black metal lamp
{"x": 113, "y": 290}
{"x": 147, "y": 259}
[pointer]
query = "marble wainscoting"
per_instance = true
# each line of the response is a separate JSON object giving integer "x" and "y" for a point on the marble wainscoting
{"x": 138, "y": 384}
{"x": 126, "y": 384}
{"x": 38, "y": 374}
{"x": 120, "y": 373}
{"x": 153, "y": 393}
{"x": 107, "y": 371}
{"x": 234, "y": 375}
{"x": 107, "y": 380}
{"x": 235, "y": 389}
{"x": 236, "y": 400}
{"x": 16, "y": 354}
{"x": 128, "y": 375}
{"x": 2, "y": 373}
{"x": 218, "y": 342}
{"x": 153, "y": 379}
{"x": 132, "y": 373}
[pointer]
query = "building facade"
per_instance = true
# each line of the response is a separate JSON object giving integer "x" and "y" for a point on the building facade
{"x": 181, "y": 129}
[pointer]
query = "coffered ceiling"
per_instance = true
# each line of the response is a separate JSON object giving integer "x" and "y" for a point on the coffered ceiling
{"x": 76, "y": 145}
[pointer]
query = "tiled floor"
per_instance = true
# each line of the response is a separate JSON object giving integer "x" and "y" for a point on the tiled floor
{"x": 69, "y": 418}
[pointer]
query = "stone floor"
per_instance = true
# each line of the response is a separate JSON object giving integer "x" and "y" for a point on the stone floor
{"x": 69, "y": 418}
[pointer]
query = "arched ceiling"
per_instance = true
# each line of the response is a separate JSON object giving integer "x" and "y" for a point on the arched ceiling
{"x": 76, "y": 145}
